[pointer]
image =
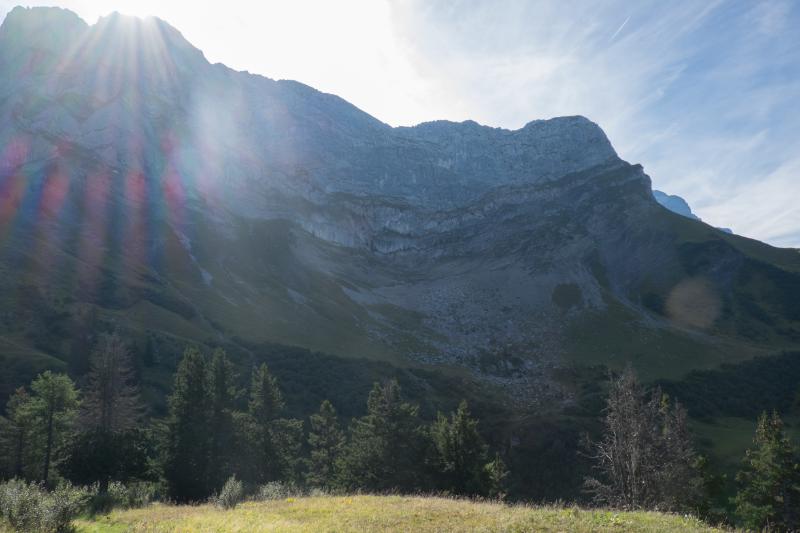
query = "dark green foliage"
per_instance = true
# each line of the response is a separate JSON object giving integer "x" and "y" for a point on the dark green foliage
{"x": 186, "y": 462}
{"x": 266, "y": 400}
{"x": 326, "y": 440}
{"x": 269, "y": 445}
{"x": 287, "y": 441}
{"x": 769, "y": 495}
{"x": 52, "y": 407}
{"x": 496, "y": 478}
{"x": 16, "y": 435}
{"x": 744, "y": 390}
{"x": 308, "y": 378}
{"x": 460, "y": 455}
{"x": 99, "y": 456}
{"x": 221, "y": 427}
{"x": 710, "y": 503}
{"x": 544, "y": 462}
{"x": 111, "y": 400}
{"x": 386, "y": 447}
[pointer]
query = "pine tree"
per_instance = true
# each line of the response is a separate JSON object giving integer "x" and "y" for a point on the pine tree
{"x": 186, "y": 462}
{"x": 326, "y": 441}
{"x": 221, "y": 428}
{"x": 52, "y": 407}
{"x": 111, "y": 400}
{"x": 769, "y": 494}
{"x": 460, "y": 454}
{"x": 385, "y": 451}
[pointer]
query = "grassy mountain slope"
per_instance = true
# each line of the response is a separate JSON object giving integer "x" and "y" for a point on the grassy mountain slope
{"x": 384, "y": 513}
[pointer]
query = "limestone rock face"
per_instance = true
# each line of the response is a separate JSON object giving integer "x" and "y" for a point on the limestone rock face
{"x": 188, "y": 200}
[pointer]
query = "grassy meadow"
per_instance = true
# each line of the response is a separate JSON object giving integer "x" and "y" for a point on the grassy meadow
{"x": 382, "y": 513}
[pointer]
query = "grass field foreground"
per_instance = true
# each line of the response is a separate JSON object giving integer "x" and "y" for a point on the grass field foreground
{"x": 383, "y": 513}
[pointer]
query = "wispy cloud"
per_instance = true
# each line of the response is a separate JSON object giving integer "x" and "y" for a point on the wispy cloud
{"x": 620, "y": 28}
{"x": 701, "y": 94}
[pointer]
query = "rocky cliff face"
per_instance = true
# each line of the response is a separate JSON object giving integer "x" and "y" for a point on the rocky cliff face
{"x": 181, "y": 200}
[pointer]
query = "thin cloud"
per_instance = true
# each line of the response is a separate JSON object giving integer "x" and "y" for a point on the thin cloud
{"x": 620, "y": 28}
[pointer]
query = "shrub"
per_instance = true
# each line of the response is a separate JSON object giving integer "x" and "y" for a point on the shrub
{"x": 59, "y": 507}
{"x": 29, "y": 507}
{"x": 231, "y": 495}
{"x": 20, "y": 503}
{"x": 277, "y": 490}
{"x": 141, "y": 494}
{"x": 119, "y": 495}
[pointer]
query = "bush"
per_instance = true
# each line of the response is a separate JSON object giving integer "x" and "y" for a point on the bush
{"x": 277, "y": 490}
{"x": 118, "y": 495}
{"x": 61, "y": 506}
{"x": 29, "y": 507}
{"x": 141, "y": 494}
{"x": 231, "y": 495}
{"x": 20, "y": 503}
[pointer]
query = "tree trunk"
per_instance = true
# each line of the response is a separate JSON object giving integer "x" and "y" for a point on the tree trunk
{"x": 18, "y": 453}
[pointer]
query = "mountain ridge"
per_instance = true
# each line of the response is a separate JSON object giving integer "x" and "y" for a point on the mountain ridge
{"x": 183, "y": 202}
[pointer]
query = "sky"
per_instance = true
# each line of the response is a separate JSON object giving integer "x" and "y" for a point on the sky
{"x": 704, "y": 94}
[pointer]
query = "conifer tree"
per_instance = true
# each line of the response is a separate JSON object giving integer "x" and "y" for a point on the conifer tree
{"x": 270, "y": 444}
{"x": 769, "y": 494}
{"x": 221, "y": 427}
{"x": 187, "y": 446}
{"x": 111, "y": 399}
{"x": 496, "y": 474}
{"x": 256, "y": 431}
{"x": 52, "y": 407}
{"x": 326, "y": 440}
{"x": 385, "y": 451}
{"x": 460, "y": 454}
{"x": 16, "y": 434}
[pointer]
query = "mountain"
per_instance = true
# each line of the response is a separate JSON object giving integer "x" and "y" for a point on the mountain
{"x": 146, "y": 190}
{"x": 676, "y": 204}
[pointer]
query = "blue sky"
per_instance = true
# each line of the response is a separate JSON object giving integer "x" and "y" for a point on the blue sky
{"x": 703, "y": 93}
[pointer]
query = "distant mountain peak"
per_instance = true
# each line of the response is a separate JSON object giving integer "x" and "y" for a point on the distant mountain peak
{"x": 674, "y": 203}
{"x": 678, "y": 205}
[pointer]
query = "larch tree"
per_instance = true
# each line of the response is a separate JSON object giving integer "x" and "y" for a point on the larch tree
{"x": 644, "y": 458}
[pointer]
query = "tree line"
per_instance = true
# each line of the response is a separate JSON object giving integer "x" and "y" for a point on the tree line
{"x": 214, "y": 430}
{"x": 643, "y": 458}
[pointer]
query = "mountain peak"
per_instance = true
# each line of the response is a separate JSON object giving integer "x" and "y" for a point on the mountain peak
{"x": 50, "y": 29}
